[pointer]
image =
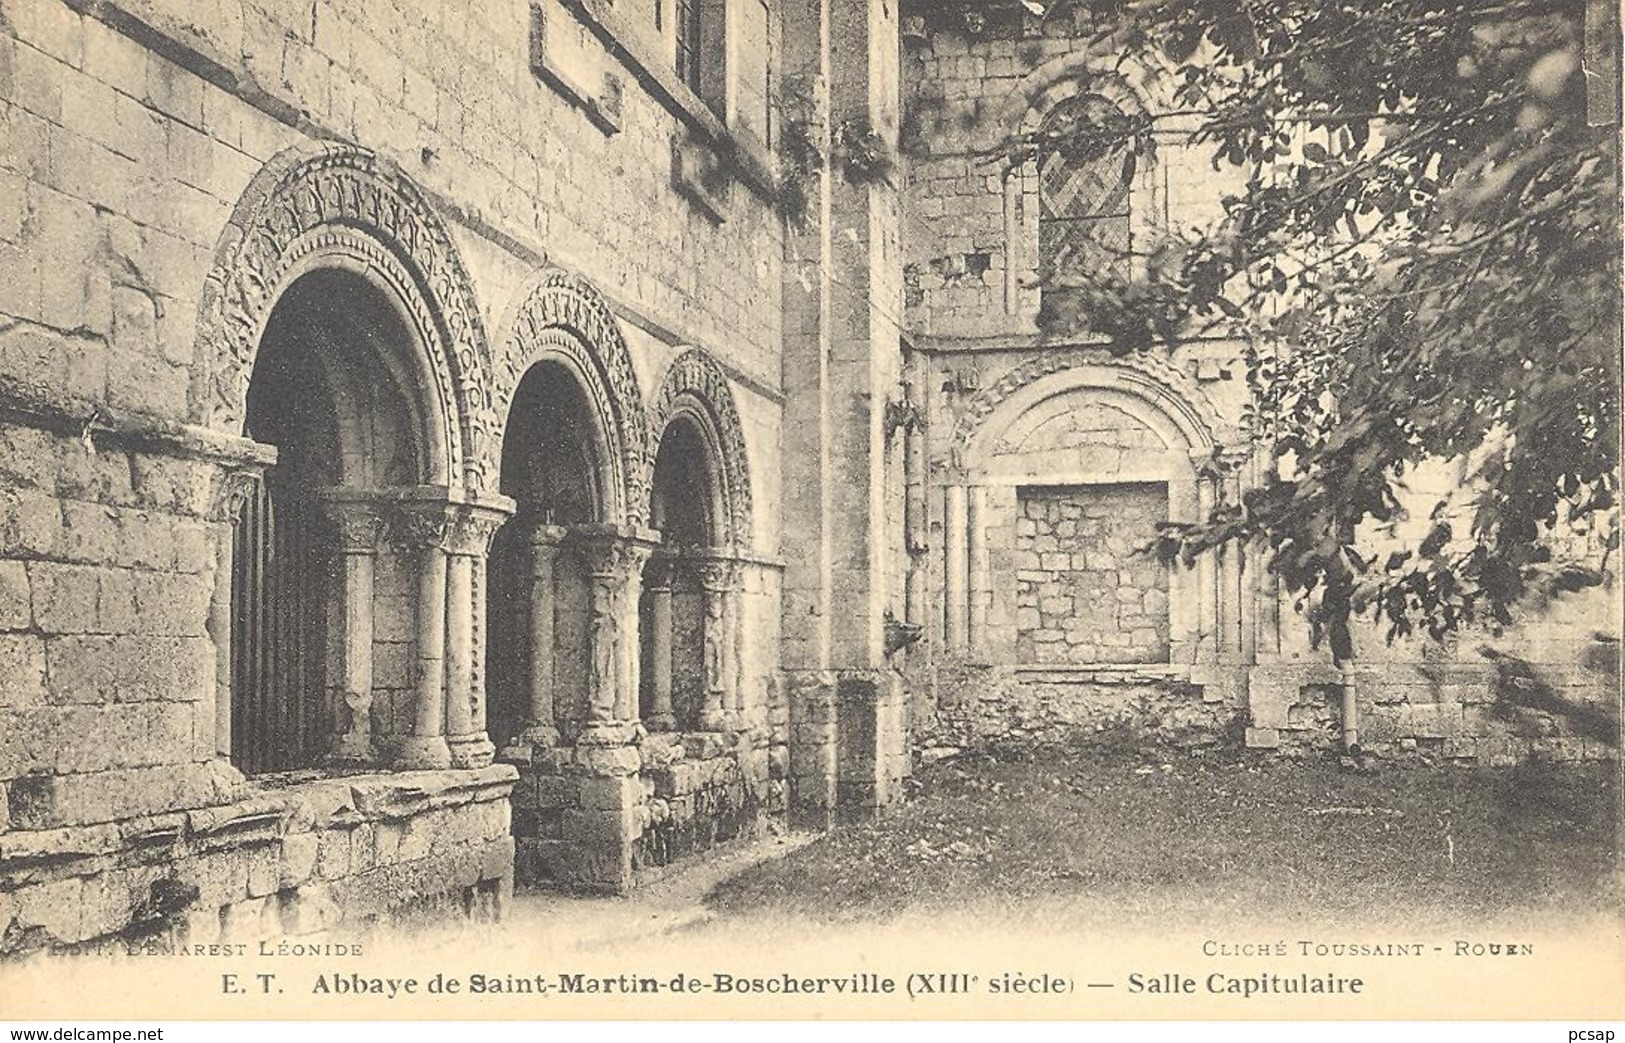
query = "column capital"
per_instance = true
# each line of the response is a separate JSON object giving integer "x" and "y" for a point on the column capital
{"x": 613, "y": 551}
{"x": 471, "y": 528}
{"x": 421, "y": 525}
{"x": 359, "y": 523}
{"x": 543, "y": 535}
{"x": 230, "y": 490}
{"x": 717, "y": 573}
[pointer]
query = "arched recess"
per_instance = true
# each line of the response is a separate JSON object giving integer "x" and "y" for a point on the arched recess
{"x": 1064, "y": 468}
{"x": 690, "y": 610}
{"x": 339, "y": 325}
{"x": 306, "y": 208}
{"x": 696, "y": 388}
{"x": 575, "y": 458}
{"x": 562, "y": 319}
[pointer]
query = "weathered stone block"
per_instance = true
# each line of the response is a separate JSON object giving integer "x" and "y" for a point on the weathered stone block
{"x": 298, "y": 859}
{"x": 308, "y": 909}
{"x": 65, "y": 597}
{"x": 16, "y": 596}
{"x": 333, "y": 854}
{"x": 1430, "y": 720}
{"x": 608, "y": 760}
{"x": 22, "y": 671}
{"x": 31, "y": 524}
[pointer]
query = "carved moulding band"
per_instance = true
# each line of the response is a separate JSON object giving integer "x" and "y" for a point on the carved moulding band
{"x": 344, "y": 201}
{"x": 696, "y": 377}
{"x": 595, "y": 349}
{"x": 1152, "y": 378}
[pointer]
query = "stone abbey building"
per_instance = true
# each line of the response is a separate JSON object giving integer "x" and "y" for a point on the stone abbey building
{"x": 449, "y": 444}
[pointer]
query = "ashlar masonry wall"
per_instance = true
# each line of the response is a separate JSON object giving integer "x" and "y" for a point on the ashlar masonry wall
{"x": 131, "y": 135}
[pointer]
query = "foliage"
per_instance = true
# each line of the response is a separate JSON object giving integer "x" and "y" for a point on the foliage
{"x": 1425, "y": 264}
{"x": 856, "y": 150}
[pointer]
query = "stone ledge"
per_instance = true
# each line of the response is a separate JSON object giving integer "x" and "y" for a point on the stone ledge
{"x": 264, "y": 817}
{"x": 39, "y": 406}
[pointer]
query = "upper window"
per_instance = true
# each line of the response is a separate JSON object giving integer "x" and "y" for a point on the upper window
{"x": 701, "y": 30}
{"x": 1083, "y": 188}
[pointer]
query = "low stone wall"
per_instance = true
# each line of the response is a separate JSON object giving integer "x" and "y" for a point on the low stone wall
{"x": 983, "y": 706}
{"x": 597, "y": 818}
{"x": 331, "y": 855}
{"x": 1496, "y": 712}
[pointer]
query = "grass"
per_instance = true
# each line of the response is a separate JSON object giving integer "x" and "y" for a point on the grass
{"x": 1139, "y": 837}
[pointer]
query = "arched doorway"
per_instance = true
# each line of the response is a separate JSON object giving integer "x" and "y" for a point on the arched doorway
{"x": 336, "y": 390}
{"x": 539, "y": 596}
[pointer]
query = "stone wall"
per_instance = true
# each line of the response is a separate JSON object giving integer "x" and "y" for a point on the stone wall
{"x": 322, "y": 858}
{"x": 1018, "y": 419}
{"x": 137, "y": 140}
{"x": 588, "y": 820}
{"x": 1088, "y": 589}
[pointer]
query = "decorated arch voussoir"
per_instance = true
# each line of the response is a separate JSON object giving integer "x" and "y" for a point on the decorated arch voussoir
{"x": 694, "y": 381}
{"x": 563, "y": 317}
{"x": 341, "y": 201}
{"x": 1153, "y": 379}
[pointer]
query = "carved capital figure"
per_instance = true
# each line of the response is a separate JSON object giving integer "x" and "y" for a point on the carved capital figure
{"x": 471, "y": 530}
{"x": 359, "y": 525}
{"x": 421, "y": 526}
{"x": 230, "y": 491}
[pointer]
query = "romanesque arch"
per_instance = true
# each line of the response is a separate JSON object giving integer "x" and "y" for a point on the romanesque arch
{"x": 343, "y": 206}
{"x": 695, "y": 387}
{"x": 339, "y": 324}
{"x": 1166, "y": 395}
{"x": 1063, "y": 469}
{"x": 562, "y": 318}
{"x": 1025, "y": 105}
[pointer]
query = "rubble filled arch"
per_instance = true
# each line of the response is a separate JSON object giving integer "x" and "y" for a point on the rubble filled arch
{"x": 343, "y": 206}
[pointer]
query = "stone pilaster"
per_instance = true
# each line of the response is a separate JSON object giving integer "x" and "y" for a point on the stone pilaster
{"x": 614, "y": 559}
{"x": 842, "y": 361}
{"x": 230, "y": 494}
{"x": 719, "y": 579}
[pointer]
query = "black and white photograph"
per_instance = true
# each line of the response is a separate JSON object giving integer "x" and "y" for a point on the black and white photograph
{"x": 865, "y": 510}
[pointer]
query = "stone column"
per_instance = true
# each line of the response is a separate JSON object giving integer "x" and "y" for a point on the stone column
{"x": 979, "y": 582}
{"x": 544, "y": 551}
{"x": 231, "y": 492}
{"x": 659, "y": 583}
{"x": 359, "y": 526}
{"x": 915, "y": 521}
{"x": 1207, "y": 580}
{"x": 614, "y": 561}
{"x": 424, "y": 529}
{"x": 469, "y": 547}
{"x": 719, "y": 579}
{"x": 956, "y": 565}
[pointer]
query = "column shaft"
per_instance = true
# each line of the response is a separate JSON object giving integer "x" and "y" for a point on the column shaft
{"x": 661, "y": 717}
{"x": 976, "y": 523}
{"x": 544, "y": 549}
{"x": 956, "y": 568}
